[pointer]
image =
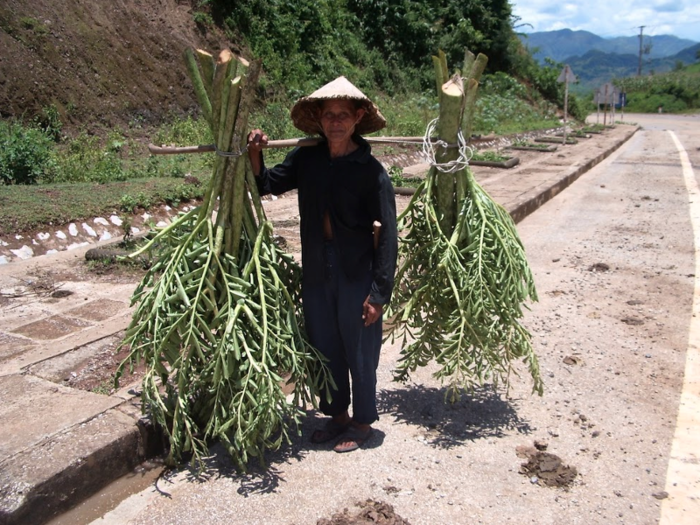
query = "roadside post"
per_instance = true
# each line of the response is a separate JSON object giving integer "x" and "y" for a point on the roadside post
{"x": 607, "y": 95}
{"x": 566, "y": 76}
{"x": 623, "y": 103}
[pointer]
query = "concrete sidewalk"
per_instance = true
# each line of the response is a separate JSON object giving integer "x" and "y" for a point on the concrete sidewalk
{"x": 58, "y": 444}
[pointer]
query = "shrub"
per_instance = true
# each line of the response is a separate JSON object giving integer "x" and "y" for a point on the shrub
{"x": 203, "y": 20}
{"x": 25, "y": 154}
{"x": 85, "y": 160}
{"x": 184, "y": 132}
{"x": 649, "y": 103}
{"x": 50, "y": 122}
{"x": 127, "y": 203}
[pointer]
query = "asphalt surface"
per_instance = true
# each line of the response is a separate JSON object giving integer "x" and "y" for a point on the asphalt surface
{"x": 58, "y": 444}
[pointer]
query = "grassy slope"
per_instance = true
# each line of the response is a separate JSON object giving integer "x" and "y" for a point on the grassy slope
{"x": 26, "y": 208}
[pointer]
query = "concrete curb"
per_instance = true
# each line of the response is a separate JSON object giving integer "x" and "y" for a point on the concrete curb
{"x": 33, "y": 495}
{"x": 46, "y": 480}
{"x": 539, "y": 196}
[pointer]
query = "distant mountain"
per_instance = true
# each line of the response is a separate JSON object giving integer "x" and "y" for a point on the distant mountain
{"x": 596, "y": 60}
{"x": 595, "y": 68}
{"x": 689, "y": 54}
{"x": 565, "y": 43}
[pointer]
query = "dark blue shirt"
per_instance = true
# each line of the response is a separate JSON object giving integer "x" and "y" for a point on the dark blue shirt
{"x": 356, "y": 191}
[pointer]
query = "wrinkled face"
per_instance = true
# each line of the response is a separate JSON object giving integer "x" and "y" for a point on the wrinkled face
{"x": 338, "y": 119}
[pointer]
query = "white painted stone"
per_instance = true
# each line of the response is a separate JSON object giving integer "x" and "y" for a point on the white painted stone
{"x": 161, "y": 224}
{"x": 34, "y": 242}
{"x": 134, "y": 230}
{"x": 3, "y": 260}
{"x": 43, "y": 236}
{"x": 49, "y": 252}
{"x": 19, "y": 237}
{"x": 167, "y": 208}
{"x": 73, "y": 229}
{"x": 3, "y": 243}
{"x": 77, "y": 245}
{"x": 115, "y": 220}
{"x": 61, "y": 235}
{"x": 105, "y": 236}
{"x": 101, "y": 220}
{"x": 146, "y": 216}
{"x": 25, "y": 252}
{"x": 89, "y": 230}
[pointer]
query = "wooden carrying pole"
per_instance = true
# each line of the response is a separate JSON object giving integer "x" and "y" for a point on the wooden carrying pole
{"x": 285, "y": 143}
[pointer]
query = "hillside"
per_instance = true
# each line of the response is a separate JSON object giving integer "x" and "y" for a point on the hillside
{"x": 595, "y": 68}
{"x": 564, "y": 43}
{"x": 100, "y": 64}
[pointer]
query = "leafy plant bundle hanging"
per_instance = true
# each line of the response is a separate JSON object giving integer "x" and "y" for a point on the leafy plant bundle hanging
{"x": 463, "y": 276}
{"x": 217, "y": 322}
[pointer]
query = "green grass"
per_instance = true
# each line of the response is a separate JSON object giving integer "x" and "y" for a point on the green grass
{"x": 24, "y": 208}
{"x": 489, "y": 156}
{"x": 398, "y": 180}
{"x": 531, "y": 145}
{"x": 675, "y": 91}
{"x": 502, "y": 115}
{"x": 593, "y": 128}
{"x": 105, "y": 388}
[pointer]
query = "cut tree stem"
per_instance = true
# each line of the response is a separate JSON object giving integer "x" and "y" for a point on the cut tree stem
{"x": 448, "y": 130}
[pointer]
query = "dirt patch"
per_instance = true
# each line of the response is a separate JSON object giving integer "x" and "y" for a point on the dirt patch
{"x": 38, "y": 282}
{"x": 544, "y": 468}
{"x": 599, "y": 267}
{"x": 97, "y": 373}
{"x": 53, "y": 327}
{"x": 111, "y": 271}
{"x": 100, "y": 64}
{"x": 11, "y": 345}
{"x": 370, "y": 512}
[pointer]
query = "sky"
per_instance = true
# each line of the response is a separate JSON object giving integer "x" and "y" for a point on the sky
{"x": 609, "y": 19}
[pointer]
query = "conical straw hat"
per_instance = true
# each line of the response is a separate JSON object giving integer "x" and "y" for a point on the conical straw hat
{"x": 305, "y": 111}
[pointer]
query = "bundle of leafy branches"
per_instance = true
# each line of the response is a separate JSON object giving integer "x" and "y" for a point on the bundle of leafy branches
{"x": 217, "y": 321}
{"x": 464, "y": 277}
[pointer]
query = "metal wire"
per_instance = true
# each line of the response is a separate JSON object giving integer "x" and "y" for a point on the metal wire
{"x": 222, "y": 153}
{"x": 428, "y": 151}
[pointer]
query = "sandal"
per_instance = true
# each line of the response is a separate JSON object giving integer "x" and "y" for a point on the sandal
{"x": 330, "y": 430}
{"x": 352, "y": 439}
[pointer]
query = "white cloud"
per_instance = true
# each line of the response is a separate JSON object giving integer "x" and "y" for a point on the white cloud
{"x": 608, "y": 19}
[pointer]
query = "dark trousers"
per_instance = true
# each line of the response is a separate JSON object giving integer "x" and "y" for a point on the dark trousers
{"x": 333, "y": 315}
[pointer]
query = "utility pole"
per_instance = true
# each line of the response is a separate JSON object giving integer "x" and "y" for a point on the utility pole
{"x": 641, "y": 41}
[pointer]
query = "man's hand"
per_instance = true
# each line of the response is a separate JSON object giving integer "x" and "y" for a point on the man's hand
{"x": 371, "y": 312}
{"x": 256, "y": 140}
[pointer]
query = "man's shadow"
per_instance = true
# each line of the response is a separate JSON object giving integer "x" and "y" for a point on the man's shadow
{"x": 481, "y": 413}
{"x": 478, "y": 414}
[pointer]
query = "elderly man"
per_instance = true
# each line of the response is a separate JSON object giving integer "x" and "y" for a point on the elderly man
{"x": 348, "y": 269}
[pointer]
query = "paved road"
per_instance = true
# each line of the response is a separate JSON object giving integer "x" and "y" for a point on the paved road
{"x": 634, "y": 325}
{"x": 614, "y": 258}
